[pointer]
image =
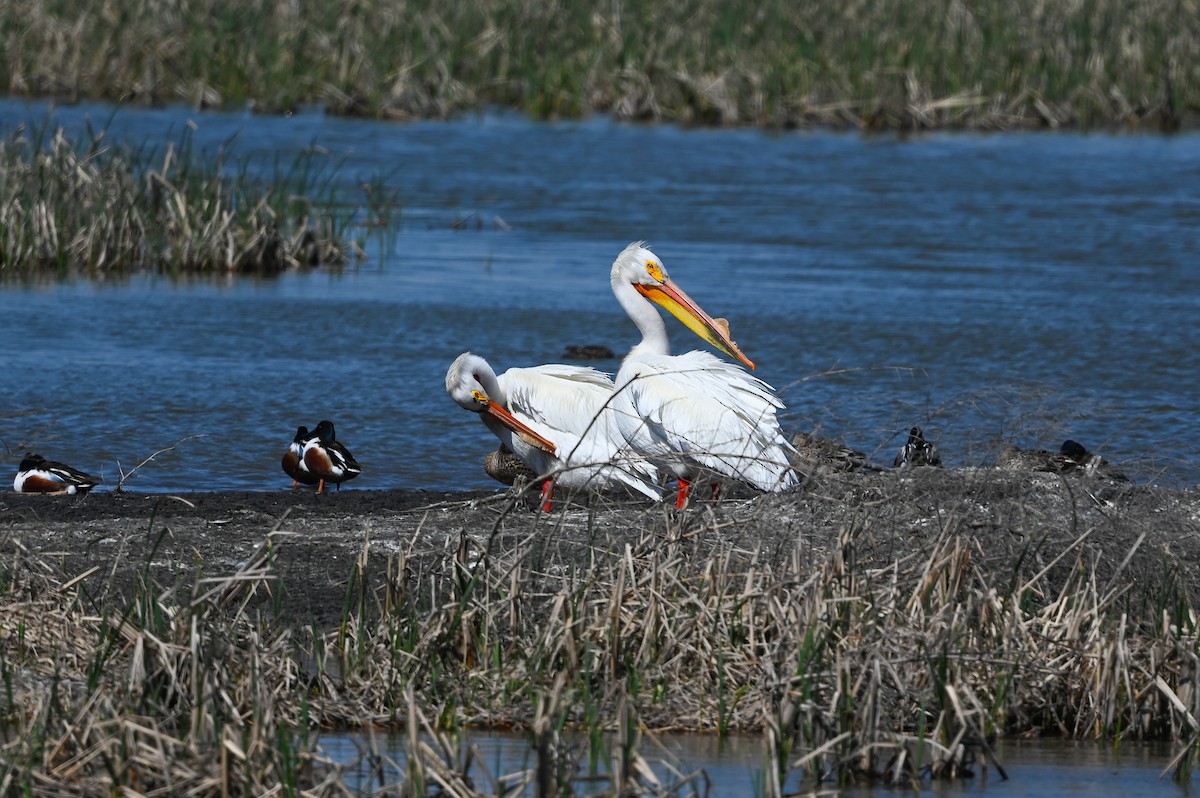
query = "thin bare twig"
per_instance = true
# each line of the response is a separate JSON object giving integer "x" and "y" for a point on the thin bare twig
{"x": 125, "y": 475}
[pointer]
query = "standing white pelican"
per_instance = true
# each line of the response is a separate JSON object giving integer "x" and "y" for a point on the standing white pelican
{"x": 692, "y": 413}
{"x": 555, "y": 419}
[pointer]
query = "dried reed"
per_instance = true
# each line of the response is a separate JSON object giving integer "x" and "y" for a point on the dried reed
{"x": 91, "y": 206}
{"x": 882, "y": 627}
{"x": 863, "y": 63}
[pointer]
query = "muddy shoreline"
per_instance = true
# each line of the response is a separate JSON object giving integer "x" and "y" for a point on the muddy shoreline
{"x": 181, "y": 538}
{"x": 175, "y": 540}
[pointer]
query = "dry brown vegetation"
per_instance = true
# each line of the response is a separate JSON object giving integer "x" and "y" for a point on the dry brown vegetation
{"x": 101, "y": 207}
{"x": 885, "y": 626}
{"x": 865, "y": 63}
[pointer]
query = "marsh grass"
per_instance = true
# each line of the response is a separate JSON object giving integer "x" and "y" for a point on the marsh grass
{"x": 863, "y": 63}
{"x": 890, "y": 641}
{"x": 99, "y": 207}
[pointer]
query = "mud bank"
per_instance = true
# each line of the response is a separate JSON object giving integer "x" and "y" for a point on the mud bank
{"x": 1016, "y": 520}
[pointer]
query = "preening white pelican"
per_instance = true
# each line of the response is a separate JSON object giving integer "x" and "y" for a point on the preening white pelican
{"x": 555, "y": 419}
{"x": 692, "y": 413}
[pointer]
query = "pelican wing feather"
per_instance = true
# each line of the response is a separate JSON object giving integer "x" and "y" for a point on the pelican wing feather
{"x": 570, "y": 404}
{"x": 697, "y": 407}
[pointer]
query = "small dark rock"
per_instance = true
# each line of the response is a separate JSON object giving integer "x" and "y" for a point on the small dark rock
{"x": 589, "y": 352}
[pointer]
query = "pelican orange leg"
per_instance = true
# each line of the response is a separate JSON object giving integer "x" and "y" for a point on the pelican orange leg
{"x": 685, "y": 490}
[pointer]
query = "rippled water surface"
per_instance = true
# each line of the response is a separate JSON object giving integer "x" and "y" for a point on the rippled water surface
{"x": 1016, "y": 288}
{"x": 733, "y": 767}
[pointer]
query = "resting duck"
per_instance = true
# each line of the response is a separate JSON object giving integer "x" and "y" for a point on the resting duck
{"x": 1092, "y": 464}
{"x": 917, "y": 452}
{"x": 505, "y": 467}
{"x": 1071, "y": 457}
{"x": 814, "y": 454}
{"x": 1017, "y": 459}
{"x": 36, "y": 474}
{"x": 328, "y": 460}
{"x": 293, "y": 460}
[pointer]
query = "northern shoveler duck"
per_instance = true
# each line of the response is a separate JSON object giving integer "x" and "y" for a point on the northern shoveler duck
{"x": 1092, "y": 464}
{"x": 328, "y": 460}
{"x": 293, "y": 460}
{"x": 1071, "y": 458}
{"x": 917, "y": 452}
{"x": 36, "y": 474}
{"x": 505, "y": 467}
{"x": 814, "y": 454}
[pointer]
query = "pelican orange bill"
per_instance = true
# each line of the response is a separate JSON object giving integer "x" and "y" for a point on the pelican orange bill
{"x": 681, "y": 306}
{"x": 522, "y": 429}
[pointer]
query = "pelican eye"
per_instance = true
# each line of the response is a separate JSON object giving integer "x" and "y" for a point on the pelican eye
{"x": 480, "y": 396}
{"x": 655, "y": 271}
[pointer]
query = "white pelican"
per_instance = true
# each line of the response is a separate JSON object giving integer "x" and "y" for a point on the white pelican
{"x": 555, "y": 419}
{"x": 692, "y": 413}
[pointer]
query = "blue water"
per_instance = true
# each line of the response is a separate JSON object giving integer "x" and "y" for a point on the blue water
{"x": 734, "y": 767}
{"x": 1009, "y": 288}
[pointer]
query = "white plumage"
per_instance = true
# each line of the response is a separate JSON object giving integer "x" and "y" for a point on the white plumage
{"x": 555, "y": 418}
{"x": 692, "y": 413}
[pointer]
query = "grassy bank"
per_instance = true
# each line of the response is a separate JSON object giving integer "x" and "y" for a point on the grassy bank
{"x": 94, "y": 206}
{"x": 882, "y": 627}
{"x": 867, "y": 63}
